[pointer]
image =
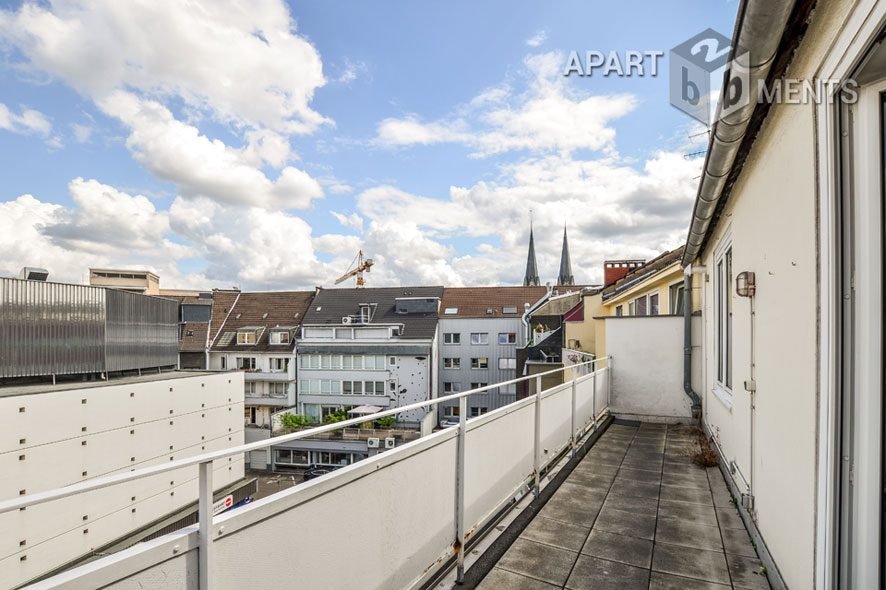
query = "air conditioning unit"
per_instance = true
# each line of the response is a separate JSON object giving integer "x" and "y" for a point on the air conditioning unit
{"x": 372, "y": 443}
{"x": 347, "y": 319}
{"x": 389, "y": 443}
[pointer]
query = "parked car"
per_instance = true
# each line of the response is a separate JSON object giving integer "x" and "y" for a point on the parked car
{"x": 318, "y": 470}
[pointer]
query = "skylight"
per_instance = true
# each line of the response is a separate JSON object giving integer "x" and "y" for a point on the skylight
{"x": 511, "y": 309}
{"x": 450, "y": 311}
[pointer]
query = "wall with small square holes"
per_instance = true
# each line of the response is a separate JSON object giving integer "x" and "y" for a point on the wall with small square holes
{"x": 53, "y": 437}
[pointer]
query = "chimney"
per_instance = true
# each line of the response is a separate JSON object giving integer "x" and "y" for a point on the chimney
{"x": 614, "y": 270}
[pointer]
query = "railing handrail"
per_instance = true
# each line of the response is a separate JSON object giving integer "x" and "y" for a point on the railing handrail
{"x": 111, "y": 480}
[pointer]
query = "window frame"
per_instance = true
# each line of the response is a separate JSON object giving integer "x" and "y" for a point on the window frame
{"x": 452, "y": 363}
{"x": 482, "y": 338}
{"x": 452, "y": 338}
{"x": 480, "y": 362}
{"x": 509, "y": 338}
{"x": 674, "y": 288}
{"x": 724, "y": 333}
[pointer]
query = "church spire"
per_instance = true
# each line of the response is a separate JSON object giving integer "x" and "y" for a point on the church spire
{"x": 565, "y": 277}
{"x": 531, "y": 279}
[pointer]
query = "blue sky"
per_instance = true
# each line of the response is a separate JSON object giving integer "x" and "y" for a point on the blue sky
{"x": 263, "y": 149}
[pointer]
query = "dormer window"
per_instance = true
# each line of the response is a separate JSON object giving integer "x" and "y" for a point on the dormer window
{"x": 280, "y": 337}
{"x": 246, "y": 337}
{"x": 367, "y": 310}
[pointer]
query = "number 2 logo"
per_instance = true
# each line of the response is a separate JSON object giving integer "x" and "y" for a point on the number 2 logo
{"x": 712, "y": 46}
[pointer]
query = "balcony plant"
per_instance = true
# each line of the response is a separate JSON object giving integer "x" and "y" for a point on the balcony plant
{"x": 385, "y": 421}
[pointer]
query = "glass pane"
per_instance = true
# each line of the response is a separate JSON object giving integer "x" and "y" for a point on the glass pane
{"x": 336, "y": 361}
{"x": 729, "y": 318}
{"x": 336, "y": 387}
{"x": 720, "y": 338}
{"x": 358, "y": 362}
{"x": 358, "y": 387}
{"x": 325, "y": 361}
{"x": 315, "y": 361}
{"x": 653, "y": 304}
{"x": 347, "y": 362}
{"x": 315, "y": 386}
{"x": 347, "y": 387}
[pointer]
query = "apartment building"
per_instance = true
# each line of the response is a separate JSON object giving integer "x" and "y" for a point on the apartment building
{"x": 480, "y": 332}
{"x": 256, "y": 333}
{"x": 372, "y": 347}
{"x": 194, "y": 315}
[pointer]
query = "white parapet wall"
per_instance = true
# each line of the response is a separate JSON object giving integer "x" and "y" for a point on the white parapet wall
{"x": 57, "y": 435}
{"x": 647, "y": 358}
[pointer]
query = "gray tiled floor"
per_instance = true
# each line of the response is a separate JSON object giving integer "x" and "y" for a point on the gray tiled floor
{"x": 635, "y": 513}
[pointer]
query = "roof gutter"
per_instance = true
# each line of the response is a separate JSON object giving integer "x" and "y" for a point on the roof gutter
{"x": 759, "y": 29}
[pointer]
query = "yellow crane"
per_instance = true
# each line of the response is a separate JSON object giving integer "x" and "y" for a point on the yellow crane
{"x": 362, "y": 264}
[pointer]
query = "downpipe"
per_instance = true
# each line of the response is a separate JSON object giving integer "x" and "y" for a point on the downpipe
{"x": 687, "y": 341}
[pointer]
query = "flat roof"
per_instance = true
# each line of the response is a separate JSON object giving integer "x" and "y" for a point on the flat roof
{"x": 34, "y": 388}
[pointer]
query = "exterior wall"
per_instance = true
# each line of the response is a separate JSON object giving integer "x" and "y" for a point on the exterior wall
{"x": 772, "y": 217}
{"x": 57, "y": 436}
{"x": 637, "y": 391}
{"x": 265, "y": 400}
{"x": 585, "y": 331}
{"x": 659, "y": 283}
{"x": 493, "y": 351}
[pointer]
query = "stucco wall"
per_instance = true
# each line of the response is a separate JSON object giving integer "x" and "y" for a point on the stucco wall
{"x": 771, "y": 215}
{"x": 647, "y": 367}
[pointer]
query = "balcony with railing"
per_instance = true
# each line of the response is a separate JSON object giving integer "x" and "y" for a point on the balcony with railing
{"x": 545, "y": 492}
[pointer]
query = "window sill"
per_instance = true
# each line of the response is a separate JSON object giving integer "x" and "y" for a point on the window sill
{"x": 723, "y": 394}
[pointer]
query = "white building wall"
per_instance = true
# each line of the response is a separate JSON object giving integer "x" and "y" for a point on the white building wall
{"x": 635, "y": 344}
{"x": 65, "y": 435}
{"x": 772, "y": 218}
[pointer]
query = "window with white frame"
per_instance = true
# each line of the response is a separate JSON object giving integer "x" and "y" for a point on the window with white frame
{"x": 277, "y": 389}
{"x": 675, "y": 298}
{"x": 507, "y": 363}
{"x": 451, "y": 363}
{"x": 246, "y": 363}
{"x": 451, "y": 387}
{"x": 279, "y": 337}
{"x": 640, "y": 305}
{"x": 632, "y": 308}
{"x": 480, "y": 363}
{"x": 279, "y": 364}
{"x": 249, "y": 388}
{"x": 478, "y": 385}
{"x": 479, "y": 338}
{"x": 723, "y": 315}
{"x": 450, "y": 411}
{"x": 451, "y": 338}
{"x": 246, "y": 337}
{"x": 653, "y": 304}
{"x": 507, "y": 338}
{"x": 478, "y": 411}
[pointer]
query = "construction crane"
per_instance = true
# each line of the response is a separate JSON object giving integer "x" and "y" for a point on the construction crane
{"x": 361, "y": 265}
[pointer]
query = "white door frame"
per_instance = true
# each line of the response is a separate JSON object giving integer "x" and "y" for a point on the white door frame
{"x": 861, "y": 27}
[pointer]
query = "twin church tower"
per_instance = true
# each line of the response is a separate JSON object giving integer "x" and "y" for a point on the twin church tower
{"x": 531, "y": 278}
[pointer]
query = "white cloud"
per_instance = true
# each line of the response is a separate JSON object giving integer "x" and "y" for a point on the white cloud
{"x": 547, "y": 116}
{"x": 82, "y": 133}
{"x": 28, "y": 122}
{"x": 353, "y": 221}
{"x": 351, "y": 71}
{"x": 240, "y": 64}
{"x": 201, "y": 167}
{"x": 208, "y": 52}
{"x": 537, "y": 39}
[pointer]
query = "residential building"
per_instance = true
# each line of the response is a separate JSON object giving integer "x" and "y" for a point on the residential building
{"x": 86, "y": 393}
{"x": 616, "y": 269}
{"x": 480, "y": 332}
{"x": 256, "y": 333}
{"x": 371, "y": 347}
{"x": 785, "y": 249}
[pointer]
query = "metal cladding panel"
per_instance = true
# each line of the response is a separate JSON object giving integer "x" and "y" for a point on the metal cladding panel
{"x": 50, "y": 328}
{"x": 141, "y": 331}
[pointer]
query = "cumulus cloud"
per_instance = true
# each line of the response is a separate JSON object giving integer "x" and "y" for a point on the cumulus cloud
{"x": 242, "y": 65}
{"x": 208, "y": 51}
{"x": 547, "y": 116}
{"x": 27, "y": 122}
{"x": 353, "y": 221}
{"x": 537, "y": 39}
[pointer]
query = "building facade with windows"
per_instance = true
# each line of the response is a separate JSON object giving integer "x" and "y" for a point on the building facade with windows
{"x": 480, "y": 332}
{"x": 368, "y": 347}
{"x": 255, "y": 333}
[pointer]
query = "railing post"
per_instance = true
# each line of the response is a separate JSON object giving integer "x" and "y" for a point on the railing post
{"x": 204, "y": 558}
{"x": 608, "y": 382}
{"x": 594, "y": 398}
{"x": 572, "y": 436}
{"x": 460, "y": 490}
{"x": 537, "y": 439}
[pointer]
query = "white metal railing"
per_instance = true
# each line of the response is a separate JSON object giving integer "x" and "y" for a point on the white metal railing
{"x": 565, "y": 396}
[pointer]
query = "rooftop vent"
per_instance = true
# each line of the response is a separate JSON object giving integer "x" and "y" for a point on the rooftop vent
{"x": 32, "y": 273}
{"x": 264, "y": 316}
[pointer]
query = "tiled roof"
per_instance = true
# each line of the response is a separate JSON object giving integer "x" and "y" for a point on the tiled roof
{"x": 658, "y": 263}
{"x": 475, "y": 302}
{"x": 259, "y": 312}
{"x": 193, "y": 337}
{"x": 331, "y": 305}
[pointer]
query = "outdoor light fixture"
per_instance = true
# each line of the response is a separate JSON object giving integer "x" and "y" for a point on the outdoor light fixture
{"x": 745, "y": 285}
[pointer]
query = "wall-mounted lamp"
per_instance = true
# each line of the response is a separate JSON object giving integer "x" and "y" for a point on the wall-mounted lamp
{"x": 745, "y": 285}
